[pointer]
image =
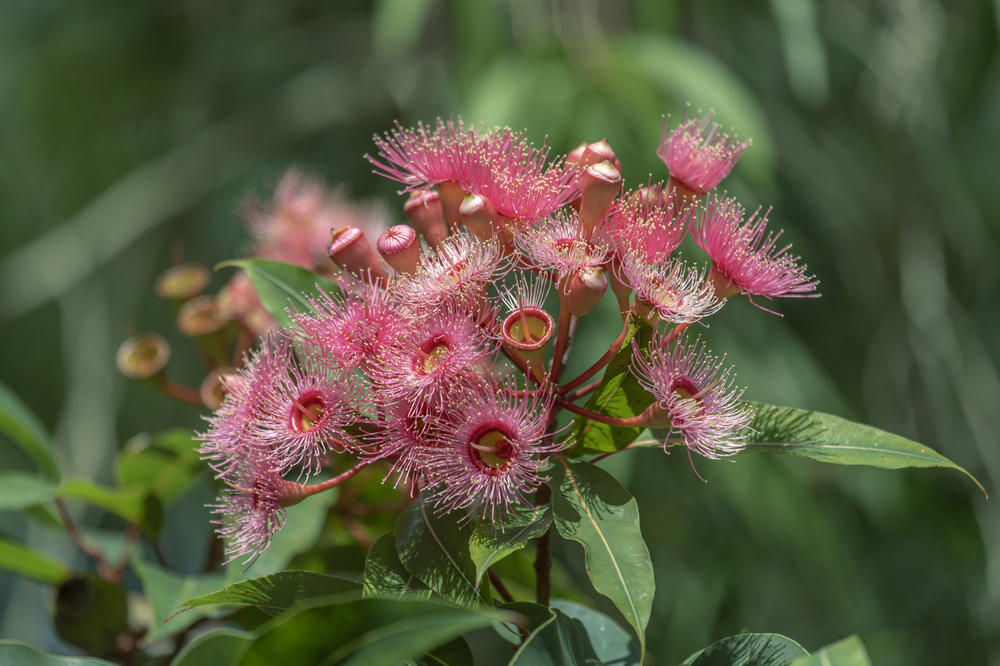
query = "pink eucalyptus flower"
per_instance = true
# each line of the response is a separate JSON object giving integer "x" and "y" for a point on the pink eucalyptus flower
{"x": 306, "y": 414}
{"x": 698, "y": 153}
{"x": 456, "y": 274}
{"x": 250, "y": 511}
{"x": 436, "y": 352}
{"x": 493, "y": 446}
{"x": 695, "y": 397}
{"x": 350, "y": 329}
{"x": 556, "y": 245}
{"x": 403, "y": 433}
{"x": 671, "y": 290}
{"x": 644, "y": 223}
{"x": 744, "y": 260}
{"x": 232, "y": 434}
{"x": 421, "y": 157}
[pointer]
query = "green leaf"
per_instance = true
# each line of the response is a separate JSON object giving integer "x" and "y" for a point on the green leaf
{"x": 19, "y": 490}
{"x": 385, "y": 575}
{"x": 554, "y": 638}
{"x": 619, "y": 395}
{"x": 280, "y": 285}
{"x": 488, "y": 546}
{"x": 435, "y": 549}
{"x": 455, "y": 653}
{"x": 748, "y": 650}
{"x": 22, "y": 654}
{"x": 612, "y": 644}
{"x": 167, "y": 591}
{"x": 219, "y": 647}
{"x": 22, "y": 560}
{"x": 26, "y": 431}
{"x": 590, "y": 507}
{"x": 368, "y": 631}
{"x": 831, "y": 439}
{"x": 279, "y": 591}
{"x": 849, "y": 651}
{"x": 163, "y": 465}
{"x": 130, "y": 505}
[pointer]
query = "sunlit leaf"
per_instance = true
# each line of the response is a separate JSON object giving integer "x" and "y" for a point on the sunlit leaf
{"x": 19, "y": 490}
{"x": 612, "y": 644}
{"x": 279, "y": 591}
{"x": 281, "y": 286}
{"x": 849, "y": 651}
{"x": 489, "y": 545}
{"x": 218, "y": 647}
{"x": 748, "y": 650}
{"x": 552, "y": 639}
{"x": 385, "y": 575}
{"x": 590, "y": 507}
{"x": 831, "y": 439}
{"x": 619, "y": 394}
{"x": 435, "y": 549}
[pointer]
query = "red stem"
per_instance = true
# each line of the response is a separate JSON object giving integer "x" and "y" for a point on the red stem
{"x": 601, "y": 362}
{"x": 180, "y": 392}
{"x": 313, "y": 488}
{"x": 563, "y": 332}
{"x": 628, "y": 422}
{"x": 584, "y": 390}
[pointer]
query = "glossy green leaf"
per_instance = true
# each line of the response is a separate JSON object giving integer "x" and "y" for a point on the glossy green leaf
{"x": 19, "y": 490}
{"x": 748, "y": 650}
{"x": 849, "y": 651}
{"x": 25, "y": 561}
{"x": 831, "y": 439}
{"x": 281, "y": 286}
{"x": 163, "y": 464}
{"x": 435, "y": 549}
{"x": 279, "y": 591}
{"x": 553, "y": 638}
{"x": 455, "y": 653}
{"x": 488, "y": 546}
{"x": 612, "y": 644}
{"x": 365, "y": 632}
{"x": 619, "y": 394}
{"x": 167, "y": 591}
{"x": 17, "y": 653}
{"x": 385, "y": 575}
{"x": 219, "y": 647}
{"x": 26, "y": 431}
{"x": 590, "y": 507}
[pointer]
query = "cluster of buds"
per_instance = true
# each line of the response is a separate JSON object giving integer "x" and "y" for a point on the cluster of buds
{"x": 443, "y": 358}
{"x": 292, "y": 227}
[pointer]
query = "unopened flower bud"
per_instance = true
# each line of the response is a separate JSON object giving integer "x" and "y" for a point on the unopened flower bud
{"x": 182, "y": 283}
{"x": 349, "y": 249}
{"x": 423, "y": 208}
{"x": 584, "y": 290}
{"x": 143, "y": 356}
{"x": 601, "y": 184}
{"x": 575, "y": 156}
{"x": 600, "y": 151}
{"x": 478, "y": 216}
{"x": 451, "y": 194}
{"x": 399, "y": 246}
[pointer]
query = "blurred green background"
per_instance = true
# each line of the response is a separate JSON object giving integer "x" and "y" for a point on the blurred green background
{"x": 129, "y": 129}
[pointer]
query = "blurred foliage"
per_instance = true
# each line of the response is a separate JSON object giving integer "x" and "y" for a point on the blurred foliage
{"x": 131, "y": 132}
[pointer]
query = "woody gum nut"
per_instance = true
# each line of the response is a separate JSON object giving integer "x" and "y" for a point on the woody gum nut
{"x": 423, "y": 208}
{"x": 182, "y": 283}
{"x": 400, "y": 248}
{"x": 350, "y": 250}
{"x": 143, "y": 356}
